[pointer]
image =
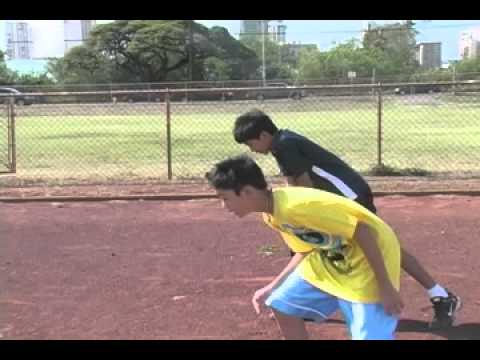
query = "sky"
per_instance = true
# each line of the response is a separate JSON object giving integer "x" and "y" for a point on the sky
{"x": 324, "y": 33}
{"x": 327, "y": 33}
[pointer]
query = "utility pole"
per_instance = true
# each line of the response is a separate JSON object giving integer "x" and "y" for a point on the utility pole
{"x": 190, "y": 50}
{"x": 264, "y": 25}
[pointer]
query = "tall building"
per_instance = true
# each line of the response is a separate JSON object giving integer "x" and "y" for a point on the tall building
{"x": 469, "y": 46}
{"x": 282, "y": 33}
{"x": 277, "y": 32}
{"x": 429, "y": 55}
{"x": 47, "y": 36}
{"x": 76, "y": 32}
{"x": 18, "y": 44}
{"x": 42, "y": 39}
{"x": 253, "y": 28}
{"x": 256, "y": 28}
{"x": 28, "y": 44}
{"x": 369, "y": 25}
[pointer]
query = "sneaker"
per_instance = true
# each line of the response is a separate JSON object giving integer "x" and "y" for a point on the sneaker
{"x": 445, "y": 309}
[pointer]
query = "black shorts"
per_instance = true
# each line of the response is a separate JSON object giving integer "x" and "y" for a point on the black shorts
{"x": 366, "y": 201}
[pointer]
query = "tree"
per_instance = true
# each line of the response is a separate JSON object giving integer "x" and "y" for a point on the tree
{"x": 6, "y": 75}
{"x": 217, "y": 69}
{"x": 396, "y": 44}
{"x": 152, "y": 51}
{"x": 311, "y": 64}
{"x": 468, "y": 65}
{"x": 338, "y": 61}
{"x": 81, "y": 64}
{"x": 33, "y": 79}
{"x": 57, "y": 69}
{"x": 276, "y": 68}
{"x": 241, "y": 60}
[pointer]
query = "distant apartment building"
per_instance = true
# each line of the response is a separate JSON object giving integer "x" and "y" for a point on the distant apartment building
{"x": 469, "y": 46}
{"x": 256, "y": 28}
{"x": 429, "y": 55}
{"x": 370, "y": 25}
{"x": 28, "y": 44}
{"x": 42, "y": 39}
{"x": 76, "y": 32}
{"x": 253, "y": 28}
{"x": 18, "y": 40}
{"x": 278, "y": 33}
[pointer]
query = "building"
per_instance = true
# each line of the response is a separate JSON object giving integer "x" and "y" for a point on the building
{"x": 429, "y": 55}
{"x": 253, "y": 28}
{"x": 256, "y": 28}
{"x": 18, "y": 40}
{"x": 47, "y": 36}
{"x": 370, "y": 25}
{"x": 28, "y": 44}
{"x": 76, "y": 32}
{"x": 282, "y": 33}
{"x": 42, "y": 39}
{"x": 469, "y": 46}
{"x": 278, "y": 32}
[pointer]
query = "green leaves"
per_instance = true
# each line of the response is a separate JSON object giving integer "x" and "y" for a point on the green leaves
{"x": 154, "y": 50}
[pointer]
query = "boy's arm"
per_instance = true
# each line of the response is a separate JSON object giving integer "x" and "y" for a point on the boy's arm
{"x": 367, "y": 239}
{"x": 261, "y": 293}
{"x": 292, "y": 264}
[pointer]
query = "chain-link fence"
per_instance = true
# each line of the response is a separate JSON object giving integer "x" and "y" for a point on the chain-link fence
{"x": 433, "y": 130}
{"x": 6, "y": 146}
{"x": 434, "y": 133}
{"x": 4, "y": 138}
{"x": 186, "y": 85}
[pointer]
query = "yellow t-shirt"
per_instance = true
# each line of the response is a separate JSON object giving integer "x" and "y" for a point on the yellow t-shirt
{"x": 310, "y": 219}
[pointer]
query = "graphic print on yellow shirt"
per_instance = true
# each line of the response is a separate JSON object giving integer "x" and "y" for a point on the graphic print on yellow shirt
{"x": 323, "y": 224}
{"x": 333, "y": 249}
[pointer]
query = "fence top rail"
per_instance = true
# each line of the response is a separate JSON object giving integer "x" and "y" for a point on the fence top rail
{"x": 243, "y": 89}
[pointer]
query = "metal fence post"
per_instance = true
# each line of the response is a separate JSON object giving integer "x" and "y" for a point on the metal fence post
{"x": 379, "y": 126}
{"x": 12, "y": 152}
{"x": 169, "y": 139}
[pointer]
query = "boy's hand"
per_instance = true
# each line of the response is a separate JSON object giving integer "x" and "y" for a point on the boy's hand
{"x": 259, "y": 295}
{"x": 391, "y": 300}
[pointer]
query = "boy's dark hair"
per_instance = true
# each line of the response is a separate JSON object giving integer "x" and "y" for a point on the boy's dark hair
{"x": 249, "y": 126}
{"x": 236, "y": 172}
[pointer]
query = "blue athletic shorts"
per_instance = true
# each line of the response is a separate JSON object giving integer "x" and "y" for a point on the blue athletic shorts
{"x": 296, "y": 297}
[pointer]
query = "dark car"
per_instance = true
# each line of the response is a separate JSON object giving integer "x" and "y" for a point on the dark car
{"x": 281, "y": 91}
{"x": 20, "y": 98}
{"x": 177, "y": 96}
{"x": 418, "y": 89}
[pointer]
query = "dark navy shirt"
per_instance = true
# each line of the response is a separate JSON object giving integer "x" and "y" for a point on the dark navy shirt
{"x": 296, "y": 155}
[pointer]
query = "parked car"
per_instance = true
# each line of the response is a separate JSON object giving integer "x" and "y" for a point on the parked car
{"x": 418, "y": 89}
{"x": 20, "y": 98}
{"x": 284, "y": 91}
{"x": 177, "y": 96}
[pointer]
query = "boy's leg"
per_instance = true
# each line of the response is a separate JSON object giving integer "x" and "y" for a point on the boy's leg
{"x": 413, "y": 268}
{"x": 445, "y": 304}
{"x": 295, "y": 300}
{"x": 292, "y": 328}
{"x": 368, "y": 321}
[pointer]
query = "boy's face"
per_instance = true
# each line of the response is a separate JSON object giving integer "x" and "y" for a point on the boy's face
{"x": 260, "y": 145}
{"x": 237, "y": 204}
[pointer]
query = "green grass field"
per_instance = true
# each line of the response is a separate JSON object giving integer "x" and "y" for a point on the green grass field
{"x": 436, "y": 136}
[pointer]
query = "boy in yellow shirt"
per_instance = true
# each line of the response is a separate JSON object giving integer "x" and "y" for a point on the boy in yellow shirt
{"x": 346, "y": 257}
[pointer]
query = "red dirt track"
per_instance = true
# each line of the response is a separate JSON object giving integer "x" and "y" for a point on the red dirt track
{"x": 187, "y": 270}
